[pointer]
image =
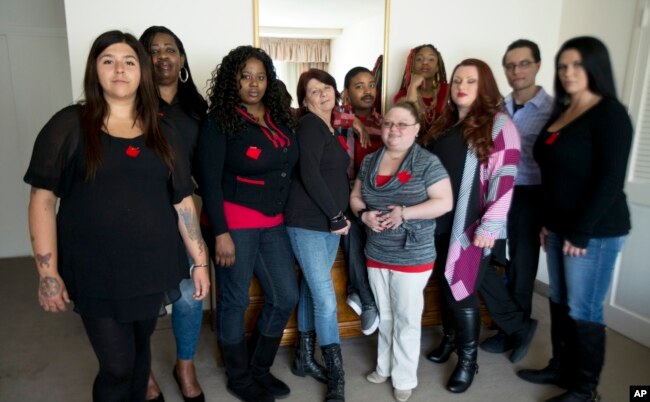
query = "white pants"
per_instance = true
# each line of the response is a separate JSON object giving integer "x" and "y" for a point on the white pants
{"x": 400, "y": 300}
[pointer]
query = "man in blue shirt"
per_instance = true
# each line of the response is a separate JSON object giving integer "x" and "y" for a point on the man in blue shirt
{"x": 530, "y": 108}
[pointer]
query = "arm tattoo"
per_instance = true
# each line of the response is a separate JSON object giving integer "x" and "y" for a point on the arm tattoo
{"x": 192, "y": 225}
{"x": 49, "y": 287}
{"x": 43, "y": 260}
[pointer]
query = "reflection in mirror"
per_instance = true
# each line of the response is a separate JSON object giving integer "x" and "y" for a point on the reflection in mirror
{"x": 341, "y": 34}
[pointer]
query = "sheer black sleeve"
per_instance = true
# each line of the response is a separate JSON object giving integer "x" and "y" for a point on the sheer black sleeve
{"x": 52, "y": 163}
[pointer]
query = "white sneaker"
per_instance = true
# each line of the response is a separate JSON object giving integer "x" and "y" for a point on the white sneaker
{"x": 354, "y": 301}
{"x": 369, "y": 319}
{"x": 402, "y": 395}
{"x": 375, "y": 378}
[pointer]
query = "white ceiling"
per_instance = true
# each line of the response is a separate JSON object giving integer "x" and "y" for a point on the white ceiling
{"x": 335, "y": 14}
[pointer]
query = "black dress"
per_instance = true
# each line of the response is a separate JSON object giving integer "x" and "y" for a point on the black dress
{"x": 119, "y": 248}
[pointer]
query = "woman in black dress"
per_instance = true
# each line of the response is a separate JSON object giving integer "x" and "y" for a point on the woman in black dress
{"x": 124, "y": 189}
{"x": 183, "y": 107}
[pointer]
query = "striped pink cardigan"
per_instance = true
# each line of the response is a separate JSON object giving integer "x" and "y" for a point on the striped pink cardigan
{"x": 497, "y": 180}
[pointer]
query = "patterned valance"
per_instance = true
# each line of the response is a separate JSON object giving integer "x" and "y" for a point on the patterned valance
{"x": 297, "y": 50}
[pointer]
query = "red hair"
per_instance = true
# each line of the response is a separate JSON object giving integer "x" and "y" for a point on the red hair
{"x": 477, "y": 125}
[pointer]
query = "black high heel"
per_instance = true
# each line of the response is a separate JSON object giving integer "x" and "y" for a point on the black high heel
{"x": 199, "y": 398}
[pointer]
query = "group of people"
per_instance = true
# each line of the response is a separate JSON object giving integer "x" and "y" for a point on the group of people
{"x": 449, "y": 173}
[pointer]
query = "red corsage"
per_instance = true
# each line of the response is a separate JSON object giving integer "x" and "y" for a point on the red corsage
{"x": 404, "y": 176}
{"x": 132, "y": 151}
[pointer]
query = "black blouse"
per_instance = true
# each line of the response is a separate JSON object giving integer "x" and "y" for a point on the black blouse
{"x": 118, "y": 234}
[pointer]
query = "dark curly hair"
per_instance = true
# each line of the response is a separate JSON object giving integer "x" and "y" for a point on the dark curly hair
{"x": 189, "y": 97}
{"x": 477, "y": 125}
{"x": 223, "y": 94}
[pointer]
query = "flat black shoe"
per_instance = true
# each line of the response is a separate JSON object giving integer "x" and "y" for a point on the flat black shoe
{"x": 498, "y": 343}
{"x": 199, "y": 398}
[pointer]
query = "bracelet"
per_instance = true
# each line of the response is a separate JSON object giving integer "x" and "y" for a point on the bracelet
{"x": 402, "y": 214}
{"x": 361, "y": 212}
{"x": 338, "y": 218}
{"x": 197, "y": 266}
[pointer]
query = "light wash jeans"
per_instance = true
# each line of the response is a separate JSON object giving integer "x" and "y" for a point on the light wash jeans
{"x": 315, "y": 252}
{"x": 582, "y": 282}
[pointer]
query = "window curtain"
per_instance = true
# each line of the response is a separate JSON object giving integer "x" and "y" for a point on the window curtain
{"x": 292, "y": 57}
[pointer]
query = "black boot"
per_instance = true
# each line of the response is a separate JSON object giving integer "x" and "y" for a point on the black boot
{"x": 263, "y": 350}
{"x": 442, "y": 352}
{"x": 559, "y": 369}
{"x": 304, "y": 363}
{"x": 240, "y": 381}
{"x": 335, "y": 375}
{"x": 590, "y": 358}
{"x": 467, "y": 324}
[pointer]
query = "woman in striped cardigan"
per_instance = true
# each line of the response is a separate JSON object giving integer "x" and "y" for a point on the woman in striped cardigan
{"x": 478, "y": 144}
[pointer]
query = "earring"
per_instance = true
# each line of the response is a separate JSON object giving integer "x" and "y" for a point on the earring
{"x": 180, "y": 75}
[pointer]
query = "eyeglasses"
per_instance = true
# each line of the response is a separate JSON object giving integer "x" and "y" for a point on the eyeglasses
{"x": 523, "y": 65}
{"x": 401, "y": 126}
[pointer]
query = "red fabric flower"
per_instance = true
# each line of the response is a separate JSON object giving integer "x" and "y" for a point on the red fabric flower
{"x": 132, "y": 151}
{"x": 404, "y": 176}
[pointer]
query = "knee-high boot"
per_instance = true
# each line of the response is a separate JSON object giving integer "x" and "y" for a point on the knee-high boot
{"x": 442, "y": 352}
{"x": 240, "y": 381}
{"x": 590, "y": 340}
{"x": 335, "y": 374}
{"x": 467, "y": 324}
{"x": 304, "y": 363}
{"x": 561, "y": 366}
{"x": 263, "y": 350}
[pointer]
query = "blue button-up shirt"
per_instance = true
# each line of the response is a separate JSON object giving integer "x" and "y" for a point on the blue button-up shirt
{"x": 530, "y": 119}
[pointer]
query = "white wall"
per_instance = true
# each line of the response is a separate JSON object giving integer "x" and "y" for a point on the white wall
{"x": 209, "y": 29}
{"x": 34, "y": 83}
{"x": 359, "y": 45}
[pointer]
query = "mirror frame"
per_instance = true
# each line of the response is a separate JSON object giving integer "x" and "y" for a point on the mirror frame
{"x": 384, "y": 72}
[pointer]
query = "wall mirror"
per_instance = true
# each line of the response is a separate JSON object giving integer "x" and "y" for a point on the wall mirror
{"x": 341, "y": 33}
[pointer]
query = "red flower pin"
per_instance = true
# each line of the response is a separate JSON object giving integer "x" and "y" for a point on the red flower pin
{"x": 404, "y": 176}
{"x": 132, "y": 151}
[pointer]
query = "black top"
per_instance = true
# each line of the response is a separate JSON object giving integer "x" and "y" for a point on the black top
{"x": 185, "y": 125}
{"x": 320, "y": 189}
{"x": 118, "y": 235}
{"x": 252, "y": 168}
{"x": 450, "y": 147}
{"x": 583, "y": 174}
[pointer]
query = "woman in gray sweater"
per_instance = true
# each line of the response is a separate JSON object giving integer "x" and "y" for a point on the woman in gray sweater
{"x": 400, "y": 190}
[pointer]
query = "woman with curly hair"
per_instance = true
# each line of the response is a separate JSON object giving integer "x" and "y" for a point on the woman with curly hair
{"x": 246, "y": 154}
{"x": 181, "y": 105}
{"x": 424, "y": 83}
{"x": 478, "y": 144}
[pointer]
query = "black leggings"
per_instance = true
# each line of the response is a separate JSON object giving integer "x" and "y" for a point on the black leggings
{"x": 124, "y": 354}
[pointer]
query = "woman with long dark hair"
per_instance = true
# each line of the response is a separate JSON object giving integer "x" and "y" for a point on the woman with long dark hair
{"x": 246, "y": 153}
{"x": 583, "y": 155}
{"x": 182, "y": 106}
{"x": 478, "y": 144}
{"x": 124, "y": 188}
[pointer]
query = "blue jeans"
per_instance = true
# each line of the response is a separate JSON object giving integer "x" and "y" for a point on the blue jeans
{"x": 315, "y": 252}
{"x": 266, "y": 253}
{"x": 187, "y": 314}
{"x": 582, "y": 282}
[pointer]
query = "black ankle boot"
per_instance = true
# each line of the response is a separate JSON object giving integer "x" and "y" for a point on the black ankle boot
{"x": 561, "y": 367}
{"x": 335, "y": 374}
{"x": 442, "y": 352}
{"x": 263, "y": 350}
{"x": 467, "y": 324}
{"x": 304, "y": 363}
{"x": 240, "y": 381}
